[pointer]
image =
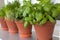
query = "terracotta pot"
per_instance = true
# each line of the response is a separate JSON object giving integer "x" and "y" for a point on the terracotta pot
{"x": 44, "y": 32}
{"x": 24, "y": 32}
{"x": 1, "y": 19}
{"x": 11, "y": 27}
{"x": 3, "y": 24}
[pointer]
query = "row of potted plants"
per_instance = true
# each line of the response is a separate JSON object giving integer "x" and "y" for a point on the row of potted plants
{"x": 42, "y": 15}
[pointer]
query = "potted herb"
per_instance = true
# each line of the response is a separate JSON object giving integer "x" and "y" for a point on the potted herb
{"x": 10, "y": 14}
{"x": 44, "y": 19}
{"x": 2, "y": 20}
{"x": 24, "y": 27}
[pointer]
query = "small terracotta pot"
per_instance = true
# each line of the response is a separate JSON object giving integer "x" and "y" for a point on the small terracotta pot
{"x": 3, "y": 24}
{"x": 44, "y": 32}
{"x": 11, "y": 26}
{"x": 1, "y": 19}
{"x": 24, "y": 32}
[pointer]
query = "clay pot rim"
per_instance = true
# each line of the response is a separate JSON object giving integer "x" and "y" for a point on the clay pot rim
{"x": 46, "y": 22}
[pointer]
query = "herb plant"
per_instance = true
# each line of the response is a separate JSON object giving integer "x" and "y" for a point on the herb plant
{"x": 43, "y": 12}
{"x": 2, "y": 13}
{"x": 31, "y": 13}
{"x": 10, "y": 9}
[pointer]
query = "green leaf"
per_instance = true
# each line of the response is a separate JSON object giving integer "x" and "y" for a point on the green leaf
{"x": 57, "y": 7}
{"x": 43, "y": 21}
{"x": 25, "y": 24}
{"x": 17, "y": 15}
{"x": 27, "y": 3}
{"x": 31, "y": 22}
{"x": 54, "y": 13}
{"x": 38, "y": 7}
{"x": 16, "y": 4}
{"x": 26, "y": 11}
{"x": 10, "y": 15}
{"x": 45, "y": 1}
{"x": 39, "y": 16}
{"x": 27, "y": 19}
{"x": 47, "y": 7}
{"x": 2, "y": 13}
{"x": 51, "y": 19}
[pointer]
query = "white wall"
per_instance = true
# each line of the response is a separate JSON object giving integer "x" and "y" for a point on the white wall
{"x": 57, "y": 1}
{"x": 57, "y": 29}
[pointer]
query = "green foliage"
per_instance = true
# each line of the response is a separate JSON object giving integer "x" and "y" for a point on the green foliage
{"x": 31, "y": 13}
{"x": 45, "y": 11}
{"x": 25, "y": 24}
{"x": 51, "y": 19}
{"x": 39, "y": 16}
{"x": 54, "y": 13}
{"x": 43, "y": 21}
{"x": 2, "y": 13}
{"x": 43, "y": 2}
{"x": 47, "y": 7}
{"x": 10, "y": 9}
{"x": 26, "y": 12}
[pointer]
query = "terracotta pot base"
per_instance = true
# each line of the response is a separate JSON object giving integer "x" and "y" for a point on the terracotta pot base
{"x": 25, "y": 35}
{"x": 3, "y": 29}
{"x": 44, "y": 32}
{"x": 12, "y": 32}
{"x": 11, "y": 26}
{"x": 49, "y": 39}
